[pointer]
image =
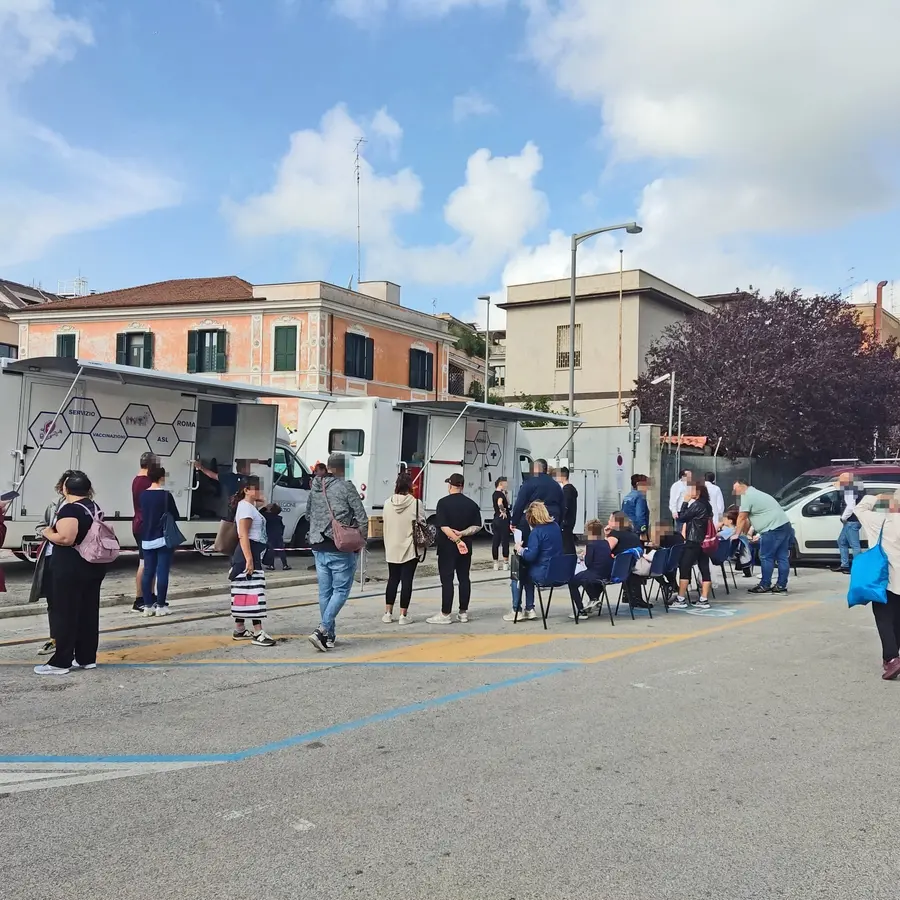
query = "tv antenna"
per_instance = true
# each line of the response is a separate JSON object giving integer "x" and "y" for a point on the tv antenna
{"x": 357, "y": 168}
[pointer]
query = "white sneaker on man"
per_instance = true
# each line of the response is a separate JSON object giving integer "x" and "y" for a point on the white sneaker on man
{"x": 387, "y": 618}
{"x": 440, "y": 619}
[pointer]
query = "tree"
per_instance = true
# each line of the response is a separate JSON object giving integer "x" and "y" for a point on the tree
{"x": 787, "y": 374}
{"x": 538, "y": 404}
{"x": 476, "y": 392}
{"x": 468, "y": 341}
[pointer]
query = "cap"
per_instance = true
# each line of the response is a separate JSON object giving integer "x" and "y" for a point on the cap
{"x": 456, "y": 480}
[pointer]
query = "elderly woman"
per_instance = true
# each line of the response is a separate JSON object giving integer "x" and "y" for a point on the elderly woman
{"x": 873, "y": 514}
{"x": 544, "y": 544}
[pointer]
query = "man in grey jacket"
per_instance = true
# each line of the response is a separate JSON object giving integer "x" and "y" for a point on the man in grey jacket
{"x": 332, "y": 495}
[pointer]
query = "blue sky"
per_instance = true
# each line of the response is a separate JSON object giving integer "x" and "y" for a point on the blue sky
{"x": 159, "y": 139}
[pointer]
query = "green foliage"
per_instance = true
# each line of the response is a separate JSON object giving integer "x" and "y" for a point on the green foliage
{"x": 541, "y": 405}
{"x": 476, "y": 392}
{"x": 467, "y": 341}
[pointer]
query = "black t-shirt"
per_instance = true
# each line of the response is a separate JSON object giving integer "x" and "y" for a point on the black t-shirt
{"x": 69, "y": 555}
{"x": 459, "y": 512}
{"x": 627, "y": 540}
{"x": 501, "y": 503}
{"x": 670, "y": 540}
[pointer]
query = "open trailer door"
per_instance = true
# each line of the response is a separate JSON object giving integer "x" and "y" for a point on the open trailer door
{"x": 446, "y": 455}
{"x": 254, "y": 442}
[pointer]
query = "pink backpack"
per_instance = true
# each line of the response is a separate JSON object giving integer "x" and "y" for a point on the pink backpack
{"x": 100, "y": 544}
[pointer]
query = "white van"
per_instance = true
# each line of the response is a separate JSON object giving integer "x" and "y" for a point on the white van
{"x": 814, "y": 511}
{"x": 63, "y": 414}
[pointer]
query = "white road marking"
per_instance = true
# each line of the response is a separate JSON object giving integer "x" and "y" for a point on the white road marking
{"x": 15, "y": 778}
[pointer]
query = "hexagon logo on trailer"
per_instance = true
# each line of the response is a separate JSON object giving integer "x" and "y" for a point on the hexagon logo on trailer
{"x": 493, "y": 455}
{"x": 48, "y": 431}
{"x": 482, "y": 441}
{"x": 109, "y": 435}
{"x": 137, "y": 420}
{"x": 471, "y": 453}
{"x": 185, "y": 425}
{"x": 82, "y": 415}
{"x": 162, "y": 439}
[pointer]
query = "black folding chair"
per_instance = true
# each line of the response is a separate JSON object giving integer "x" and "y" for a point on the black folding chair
{"x": 560, "y": 572}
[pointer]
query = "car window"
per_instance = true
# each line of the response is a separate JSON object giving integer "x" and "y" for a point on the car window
{"x": 827, "y": 504}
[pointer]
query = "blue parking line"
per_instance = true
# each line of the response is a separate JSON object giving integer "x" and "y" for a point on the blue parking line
{"x": 298, "y": 739}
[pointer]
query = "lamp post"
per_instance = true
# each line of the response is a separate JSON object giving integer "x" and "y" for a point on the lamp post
{"x": 630, "y": 228}
{"x": 487, "y": 344}
{"x": 660, "y": 380}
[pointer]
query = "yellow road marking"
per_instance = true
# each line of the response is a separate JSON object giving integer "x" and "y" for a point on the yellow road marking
{"x": 183, "y": 646}
{"x": 459, "y": 649}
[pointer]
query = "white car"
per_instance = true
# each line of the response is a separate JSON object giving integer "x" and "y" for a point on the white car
{"x": 815, "y": 514}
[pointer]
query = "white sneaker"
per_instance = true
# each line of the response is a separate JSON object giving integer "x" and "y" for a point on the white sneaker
{"x": 387, "y": 618}
{"x": 440, "y": 619}
{"x": 702, "y": 603}
{"x": 47, "y": 669}
{"x": 679, "y": 603}
{"x": 505, "y": 566}
{"x": 405, "y": 620}
{"x": 78, "y": 665}
{"x": 462, "y": 617}
{"x": 513, "y": 617}
{"x": 531, "y": 614}
{"x": 149, "y": 612}
{"x": 496, "y": 566}
{"x": 161, "y": 610}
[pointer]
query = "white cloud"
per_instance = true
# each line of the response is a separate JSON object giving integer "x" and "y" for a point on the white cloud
{"x": 367, "y": 11}
{"x": 49, "y": 188}
{"x": 315, "y": 188}
{"x": 756, "y": 129}
{"x": 386, "y": 127}
{"x": 471, "y": 104}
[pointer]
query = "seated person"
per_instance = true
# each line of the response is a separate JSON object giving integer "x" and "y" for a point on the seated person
{"x": 726, "y": 526}
{"x": 621, "y": 535}
{"x": 544, "y": 544}
{"x": 666, "y": 537}
{"x": 598, "y": 560}
{"x": 743, "y": 550}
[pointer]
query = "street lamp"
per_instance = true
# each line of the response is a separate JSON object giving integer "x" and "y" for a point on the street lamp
{"x": 630, "y": 228}
{"x": 660, "y": 380}
{"x": 487, "y": 342}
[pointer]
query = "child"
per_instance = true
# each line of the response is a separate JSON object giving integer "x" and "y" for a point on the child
{"x": 275, "y": 534}
{"x": 742, "y": 552}
{"x": 726, "y": 526}
{"x": 598, "y": 561}
{"x": 667, "y": 537}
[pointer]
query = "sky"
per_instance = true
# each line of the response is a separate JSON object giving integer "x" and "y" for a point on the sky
{"x": 756, "y": 143}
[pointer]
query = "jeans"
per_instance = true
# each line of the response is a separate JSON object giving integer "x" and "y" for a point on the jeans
{"x": 516, "y": 589}
{"x": 775, "y": 547}
{"x": 335, "y": 573}
{"x": 157, "y": 564}
{"x": 848, "y": 540}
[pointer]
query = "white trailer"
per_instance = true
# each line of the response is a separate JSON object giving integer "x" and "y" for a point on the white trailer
{"x": 63, "y": 414}
{"x": 432, "y": 439}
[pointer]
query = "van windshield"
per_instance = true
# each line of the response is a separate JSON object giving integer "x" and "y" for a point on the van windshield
{"x": 799, "y": 487}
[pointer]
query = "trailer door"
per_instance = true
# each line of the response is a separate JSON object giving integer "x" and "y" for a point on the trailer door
{"x": 254, "y": 442}
{"x": 446, "y": 455}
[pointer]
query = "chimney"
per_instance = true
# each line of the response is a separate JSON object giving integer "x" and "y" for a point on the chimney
{"x": 380, "y": 290}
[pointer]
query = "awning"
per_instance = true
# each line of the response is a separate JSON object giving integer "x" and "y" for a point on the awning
{"x": 193, "y": 384}
{"x": 484, "y": 410}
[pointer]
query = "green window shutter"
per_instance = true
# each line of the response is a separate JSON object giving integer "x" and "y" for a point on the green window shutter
{"x": 148, "y": 350}
{"x": 412, "y": 368}
{"x": 285, "y": 348}
{"x": 122, "y": 349}
{"x": 65, "y": 345}
{"x": 221, "y": 346}
{"x": 370, "y": 360}
{"x": 429, "y": 371}
{"x": 193, "y": 339}
{"x": 349, "y": 345}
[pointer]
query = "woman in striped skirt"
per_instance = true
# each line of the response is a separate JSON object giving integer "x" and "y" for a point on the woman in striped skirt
{"x": 248, "y": 578}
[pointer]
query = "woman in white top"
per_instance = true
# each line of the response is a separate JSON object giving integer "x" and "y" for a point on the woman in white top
{"x": 887, "y": 615}
{"x": 400, "y": 513}
{"x": 247, "y": 576}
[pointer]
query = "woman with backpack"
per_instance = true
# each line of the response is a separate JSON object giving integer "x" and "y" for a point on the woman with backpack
{"x": 695, "y": 519}
{"x": 157, "y": 510}
{"x": 77, "y": 575}
{"x": 401, "y": 513}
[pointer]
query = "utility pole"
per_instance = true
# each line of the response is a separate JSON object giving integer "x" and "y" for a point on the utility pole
{"x": 359, "y": 144}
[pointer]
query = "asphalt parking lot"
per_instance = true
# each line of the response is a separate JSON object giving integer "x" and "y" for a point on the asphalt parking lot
{"x": 742, "y": 753}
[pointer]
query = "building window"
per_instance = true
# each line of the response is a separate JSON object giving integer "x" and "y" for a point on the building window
{"x": 135, "y": 349}
{"x": 285, "y": 348}
{"x": 498, "y": 376}
{"x": 562, "y": 346}
{"x": 206, "y": 351}
{"x": 65, "y": 345}
{"x": 359, "y": 356}
{"x": 9, "y": 351}
{"x": 351, "y": 441}
{"x": 421, "y": 370}
{"x": 456, "y": 381}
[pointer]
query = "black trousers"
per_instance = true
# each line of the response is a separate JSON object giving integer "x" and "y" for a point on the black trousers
{"x": 887, "y": 621}
{"x": 501, "y": 534}
{"x": 453, "y": 563}
{"x": 400, "y": 575}
{"x": 568, "y": 542}
{"x": 76, "y": 600}
{"x": 694, "y": 555}
{"x": 47, "y": 592}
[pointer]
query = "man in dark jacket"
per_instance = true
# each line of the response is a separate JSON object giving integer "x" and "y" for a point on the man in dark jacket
{"x": 332, "y": 497}
{"x": 540, "y": 486}
{"x": 570, "y": 512}
{"x": 848, "y": 539}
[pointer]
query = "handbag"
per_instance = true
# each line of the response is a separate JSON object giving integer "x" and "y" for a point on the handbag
{"x": 869, "y": 576}
{"x": 226, "y": 538}
{"x": 424, "y": 536}
{"x": 710, "y": 543}
{"x": 346, "y": 538}
{"x": 171, "y": 532}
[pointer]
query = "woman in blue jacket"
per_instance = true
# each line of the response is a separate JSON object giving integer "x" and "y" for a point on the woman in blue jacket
{"x": 544, "y": 545}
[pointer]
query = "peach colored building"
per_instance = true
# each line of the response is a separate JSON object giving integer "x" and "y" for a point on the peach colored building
{"x": 308, "y": 336}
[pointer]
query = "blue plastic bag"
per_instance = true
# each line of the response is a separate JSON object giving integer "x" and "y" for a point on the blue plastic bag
{"x": 869, "y": 576}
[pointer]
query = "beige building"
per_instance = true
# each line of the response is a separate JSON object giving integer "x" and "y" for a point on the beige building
{"x": 537, "y": 338}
